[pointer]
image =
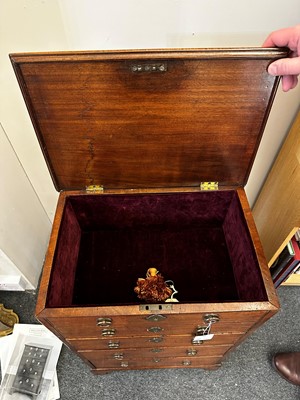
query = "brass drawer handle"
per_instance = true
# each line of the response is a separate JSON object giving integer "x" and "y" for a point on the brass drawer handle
{"x": 157, "y": 339}
{"x": 196, "y": 342}
{"x": 156, "y": 350}
{"x": 201, "y": 330}
{"x": 202, "y": 333}
{"x": 156, "y": 317}
{"x": 186, "y": 362}
{"x": 191, "y": 352}
{"x": 113, "y": 345}
{"x": 124, "y": 364}
{"x": 108, "y": 332}
{"x": 104, "y": 322}
{"x": 211, "y": 318}
{"x": 155, "y": 329}
{"x": 156, "y": 360}
{"x": 118, "y": 356}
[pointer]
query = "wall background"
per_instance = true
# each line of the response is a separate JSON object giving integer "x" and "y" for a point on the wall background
{"x": 27, "y": 197}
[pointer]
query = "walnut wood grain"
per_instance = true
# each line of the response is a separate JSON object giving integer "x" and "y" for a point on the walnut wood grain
{"x": 142, "y": 342}
{"x": 200, "y": 120}
{"x": 86, "y": 327}
{"x": 171, "y": 362}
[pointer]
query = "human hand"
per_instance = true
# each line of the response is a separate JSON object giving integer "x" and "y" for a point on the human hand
{"x": 289, "y": 68}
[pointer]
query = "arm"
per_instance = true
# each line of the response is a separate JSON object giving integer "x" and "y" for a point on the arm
{"x": 289, "y": 68}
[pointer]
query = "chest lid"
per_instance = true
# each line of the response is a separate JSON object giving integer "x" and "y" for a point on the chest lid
{"x": 155, "y": 118}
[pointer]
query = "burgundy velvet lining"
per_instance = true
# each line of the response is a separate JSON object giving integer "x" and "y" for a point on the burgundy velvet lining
{"x": 61, "y": 286}
{"x": 189, "y": 237}
{"x": 245, "y": 265}
{"x": 148, "y": 210}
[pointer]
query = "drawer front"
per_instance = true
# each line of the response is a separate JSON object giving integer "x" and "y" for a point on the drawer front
{"x": 99, "y": 362}
{"x": 155, "y": 354}
{"x": 150, "y": 342}
{"x": 120, "y": 326}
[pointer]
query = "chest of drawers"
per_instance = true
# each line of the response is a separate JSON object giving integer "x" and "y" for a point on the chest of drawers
{"x": 155, "y": 340}
{"x": 150, "y": 151}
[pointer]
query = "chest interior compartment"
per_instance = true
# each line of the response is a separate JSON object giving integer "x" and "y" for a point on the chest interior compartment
{"x": 199, "y": 240}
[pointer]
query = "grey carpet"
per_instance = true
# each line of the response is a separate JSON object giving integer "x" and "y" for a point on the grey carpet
{"x": 246, "y": 374}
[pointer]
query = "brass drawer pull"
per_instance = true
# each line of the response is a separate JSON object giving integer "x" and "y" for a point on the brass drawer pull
{"x": 211, "y": 318}
{"x": 204, "y": 332}
{"x": 118, "y": 356}
{"x": 156, "y": 317}
{"x": 201, "y": 330}
{"x": 124, "y": 364}
{"x": 186, "y": 362}
{"x": 155, "y": 329}
{"x": 108, "y": 332}
{"x": 156, "y": 350}
{"x": 197, "y": 342}
{"x": 191, "y": 352}
{"x": 104, "y": 322}
{"x": 113, "y": 345}
{"x": 156, "y": 360}
{"x": 157, "y": 339}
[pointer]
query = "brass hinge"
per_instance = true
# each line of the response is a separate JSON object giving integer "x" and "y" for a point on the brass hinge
{"x": 94, "y": 189}
{"x": 209, "y": 186}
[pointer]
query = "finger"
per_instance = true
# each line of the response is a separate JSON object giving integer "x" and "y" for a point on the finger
{"x": 289, "y": 82}
{"x": 286, "y": 66}
{"x": 284, "y": 37}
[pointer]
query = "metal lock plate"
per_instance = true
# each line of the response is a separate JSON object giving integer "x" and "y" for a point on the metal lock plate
{"x": 156, "y": 307}
{"x": 149, "y": 67}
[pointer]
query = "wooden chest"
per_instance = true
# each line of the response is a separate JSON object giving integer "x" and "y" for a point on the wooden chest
{"x": 150, "y": 151}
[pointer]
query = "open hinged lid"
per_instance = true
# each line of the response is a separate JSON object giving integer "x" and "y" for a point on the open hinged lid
{"x": 157, "y": 118}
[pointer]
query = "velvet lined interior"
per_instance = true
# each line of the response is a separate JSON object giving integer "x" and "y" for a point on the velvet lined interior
{"x": 199, "y": 240}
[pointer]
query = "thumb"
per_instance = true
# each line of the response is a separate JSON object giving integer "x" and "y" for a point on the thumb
{"x": 287, "y": 66}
